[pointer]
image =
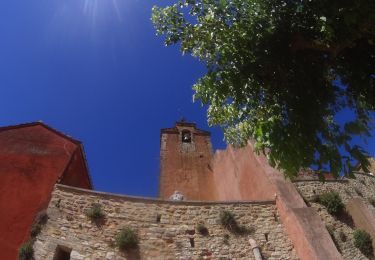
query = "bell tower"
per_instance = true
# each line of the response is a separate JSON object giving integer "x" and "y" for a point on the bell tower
{"x": 185, "y": 162}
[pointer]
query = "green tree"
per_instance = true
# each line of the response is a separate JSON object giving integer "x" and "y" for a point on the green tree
{"x": 279, "y": 73}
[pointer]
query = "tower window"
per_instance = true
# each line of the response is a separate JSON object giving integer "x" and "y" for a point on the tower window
{"x": 186, "y": 136}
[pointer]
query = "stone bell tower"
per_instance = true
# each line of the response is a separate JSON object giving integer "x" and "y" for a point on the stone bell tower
{"x": 185, "y": 162}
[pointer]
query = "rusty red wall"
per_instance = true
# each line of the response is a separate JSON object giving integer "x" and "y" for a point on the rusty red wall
{"x": 71, "y": 175}
{"x": 186, "y": 167}
{"x": 31, "y": 161}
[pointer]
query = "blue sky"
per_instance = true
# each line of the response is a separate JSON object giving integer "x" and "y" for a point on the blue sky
{"x": 95, "y": 70}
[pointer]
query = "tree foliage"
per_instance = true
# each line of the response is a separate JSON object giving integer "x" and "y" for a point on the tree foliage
{"x": 280, "y": 71}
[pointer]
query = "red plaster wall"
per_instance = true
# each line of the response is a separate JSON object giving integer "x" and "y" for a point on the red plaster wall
{"x": 76, "y": 165}
{"x": 32, "y": 159}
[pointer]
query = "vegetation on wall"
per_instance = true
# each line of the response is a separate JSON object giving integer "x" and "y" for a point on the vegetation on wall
{"x": 279, "y": 73}
{"x": 126, "y": 239}
{"x": 40, "y": 219}
{"x": 95, "y": 212}
{"x": 363, "y": 241}
{"x": 202, "y": 229}
{"x": 332, "y": 201}
{"x": 26, "y": 251}
{"x": 228, "y": 220}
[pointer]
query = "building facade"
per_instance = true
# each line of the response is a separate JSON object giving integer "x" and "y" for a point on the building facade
{"x": 199, "y": 190}
{"x": 33, "y": 158}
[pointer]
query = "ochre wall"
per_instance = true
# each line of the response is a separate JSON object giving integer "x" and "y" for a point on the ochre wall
{"x": 31, "y": 161}
{"x": 239, "y": 176}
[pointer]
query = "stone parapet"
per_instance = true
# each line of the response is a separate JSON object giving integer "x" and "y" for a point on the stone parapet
{"x": 165, "y": 228}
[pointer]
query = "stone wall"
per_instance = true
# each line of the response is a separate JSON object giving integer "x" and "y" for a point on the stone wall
{"x": 362, "y": 187}
{"x": 166, "y": 238}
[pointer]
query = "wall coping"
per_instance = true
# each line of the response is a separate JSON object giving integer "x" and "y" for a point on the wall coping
{"x": 317, "y": 180}
{"x": 364, "y": 173}
{"x": 342, "y": 180}
{"x": 156, "y": 200}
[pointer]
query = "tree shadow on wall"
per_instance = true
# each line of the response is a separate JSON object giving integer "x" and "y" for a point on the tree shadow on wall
{"x": 345, "y": 218}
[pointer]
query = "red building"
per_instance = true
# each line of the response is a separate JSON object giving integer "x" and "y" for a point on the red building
{"x": 33, "y": 157}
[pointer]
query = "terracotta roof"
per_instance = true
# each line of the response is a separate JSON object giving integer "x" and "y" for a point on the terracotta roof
{"x": 71, "y": 139}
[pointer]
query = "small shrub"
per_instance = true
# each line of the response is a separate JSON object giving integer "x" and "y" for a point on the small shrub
{"x": 95, "y": 212}
{"x": 332, "y": 202}
{"x": 363, "y": 241}
{"x": 363, "y": 182}
{"x": 358, "y": 192}
{"x": 35, "y": 230}
{"x": 126, "y": 239}
{"x": 39, "y": 220}
{"x": 26, "y": 251}
{"x": 202, "y": 229}
{"x": 227, "y": 220}
{"x": 372, "y": 201}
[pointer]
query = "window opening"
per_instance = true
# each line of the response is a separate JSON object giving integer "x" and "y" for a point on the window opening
{"x": 62, "y": 253}
{"x": 191, "y": 239}
{"x": 186, "y": 136}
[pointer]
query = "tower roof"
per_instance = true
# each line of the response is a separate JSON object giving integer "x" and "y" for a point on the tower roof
{"x": 184, "y": 124}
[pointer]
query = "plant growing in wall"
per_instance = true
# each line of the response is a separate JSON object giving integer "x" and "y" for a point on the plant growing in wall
{"x": 40, "y": 219}
{"x": 95, "y": 213}
{"x": 26, "y": 251}
{"x": 126, "y": 239}
{"x": 228, "y": 221}
{"x": 35, "y": 229}
{"x": 363, "y": 241}
{"x": 202, "y": 229}
{"x": 332, "y": 202}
